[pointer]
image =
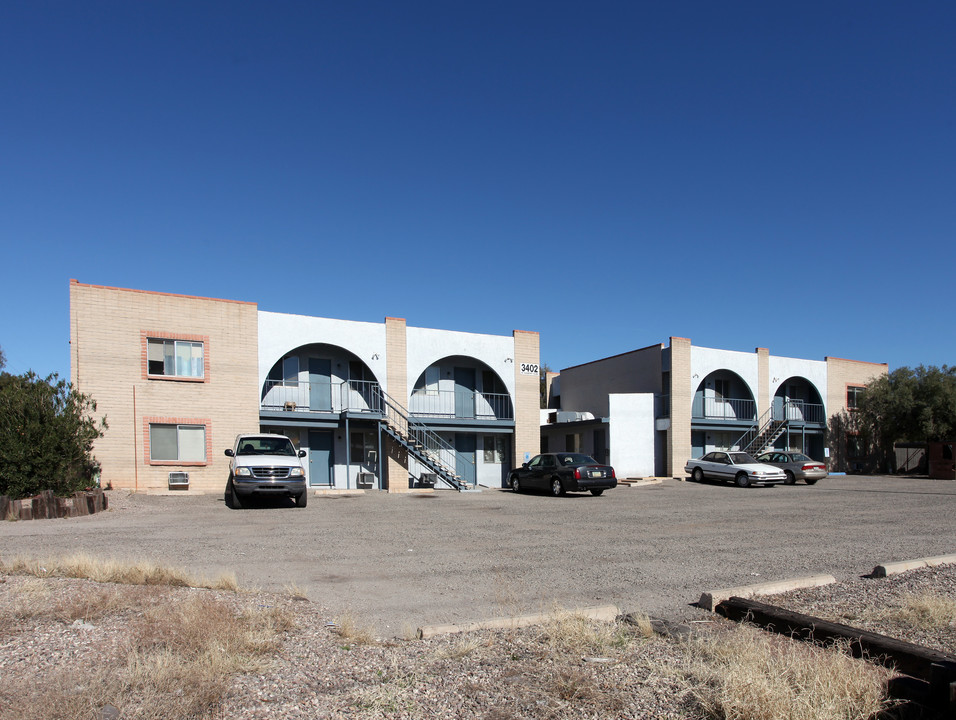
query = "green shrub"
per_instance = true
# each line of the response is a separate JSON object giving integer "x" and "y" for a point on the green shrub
{"x": 46, "y": 436}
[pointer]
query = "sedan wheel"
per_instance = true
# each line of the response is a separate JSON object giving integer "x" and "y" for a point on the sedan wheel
{"x": 557, "y": 489}
{"x": 597, "y": 491}
{"x": 791, "y": 480}
{"x": 515, "y": 484}
{"x": 810, "y": 481}
{"x": 698, "y": 475}
{"x": 742, "y": 480}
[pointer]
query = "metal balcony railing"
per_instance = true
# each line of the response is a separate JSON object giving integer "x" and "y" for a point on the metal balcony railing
{"x": 714, "y": 408}
{"x": 799, "y": 411}
{"x": 460, "y": 404}
{"x": 303, "y": 396}
{"x": 365, "y": 396}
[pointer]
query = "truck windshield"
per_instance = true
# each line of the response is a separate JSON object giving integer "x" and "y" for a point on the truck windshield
{"x": 266, "y": 446}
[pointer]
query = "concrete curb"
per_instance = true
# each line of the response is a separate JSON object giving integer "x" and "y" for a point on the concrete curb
{"x": 893, "y": 568}
{"x": 605, "y": 613}
{"x": 710, "y": 600}
{"x": 638, "y": 482}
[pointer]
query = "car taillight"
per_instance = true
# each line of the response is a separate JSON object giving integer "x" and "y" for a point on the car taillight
{"x": 577, "y": 473}
{"x": 812, "y": 467}
{"x": 611, "y": 474}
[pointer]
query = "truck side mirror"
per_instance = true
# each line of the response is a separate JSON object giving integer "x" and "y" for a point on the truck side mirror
{"x": 230, "y": 453}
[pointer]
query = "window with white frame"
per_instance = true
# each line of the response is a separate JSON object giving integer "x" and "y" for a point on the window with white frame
{"x": 177, "y": 443}
{"x": 175, "y": 358}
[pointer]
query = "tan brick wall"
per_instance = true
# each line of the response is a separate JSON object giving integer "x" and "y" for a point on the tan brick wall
{"x": 763, "y": 381}
{"x": 843, "y": 373}
{"x": 682, "y": 395}
{"x": 108, "y": 331}
{"x": 527, "y": 438}
{"x": 396, "y": 359}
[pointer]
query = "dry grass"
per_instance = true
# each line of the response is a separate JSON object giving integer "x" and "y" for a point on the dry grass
{"x": 744, "y": 674}
{"x": 348, "y": 628}
{"x": 568, "y": 632}
{"x": 179, "y": 653}
{"x": 115, "y": 571}
{"x": 926, "y": 612}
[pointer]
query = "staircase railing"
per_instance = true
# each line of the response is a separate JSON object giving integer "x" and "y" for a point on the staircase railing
{"x": 423, "y": 443}
{"x": 764, "y": 431}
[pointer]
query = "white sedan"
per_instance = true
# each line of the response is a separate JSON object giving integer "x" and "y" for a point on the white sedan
{"x": 737, "y": 466}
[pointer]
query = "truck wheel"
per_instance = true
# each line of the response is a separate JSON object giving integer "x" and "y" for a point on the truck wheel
{"x": 302, "y": 499}
{"x": 235, "y": 502}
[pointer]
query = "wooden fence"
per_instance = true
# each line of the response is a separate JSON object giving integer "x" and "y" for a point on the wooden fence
{"x": 46, "y": 506}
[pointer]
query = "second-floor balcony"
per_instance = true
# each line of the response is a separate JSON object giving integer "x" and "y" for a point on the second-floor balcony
{"x": 799, "y": 411}
{"x": 361, "y": 396}
{"x": 300, "y": 396}
{"x": 462, "y": 404}
{"x": 722, "y": 408}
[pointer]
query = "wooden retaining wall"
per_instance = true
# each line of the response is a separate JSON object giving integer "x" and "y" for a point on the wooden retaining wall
{"x": 46, "y": 506}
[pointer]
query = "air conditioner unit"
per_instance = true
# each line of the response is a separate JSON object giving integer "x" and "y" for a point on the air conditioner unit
{"x": 366, "y": 480}
{"x": 178, "y": 480}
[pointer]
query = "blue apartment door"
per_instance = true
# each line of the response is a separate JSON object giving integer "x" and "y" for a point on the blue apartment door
{"x": 320, "y": 457}
{"x": 320, "y": 384}
{"x": 465, "y": 457}
{"x": 465, "y": 393}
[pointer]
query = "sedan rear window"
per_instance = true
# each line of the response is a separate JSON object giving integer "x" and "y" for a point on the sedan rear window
{"x": 576, "y": 459}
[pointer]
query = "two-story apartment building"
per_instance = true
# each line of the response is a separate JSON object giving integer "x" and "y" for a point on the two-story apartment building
{"x": 374, "y": 405}
{"x": 650, "y": 410}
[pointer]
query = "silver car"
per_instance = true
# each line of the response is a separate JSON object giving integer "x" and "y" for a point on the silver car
{"x": 739, "y": 467}
{"x": 795, "y": 465}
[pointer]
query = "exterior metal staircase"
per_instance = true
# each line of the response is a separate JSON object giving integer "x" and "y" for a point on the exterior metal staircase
{"x": 421, "y": 442}
{"x": 763, "y": 433}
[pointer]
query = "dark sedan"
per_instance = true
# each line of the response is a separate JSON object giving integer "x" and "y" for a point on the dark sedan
{"x": 563, "y": 472}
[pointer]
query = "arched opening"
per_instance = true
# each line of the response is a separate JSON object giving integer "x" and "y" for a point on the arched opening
{"x": 798, "y": 400}
{"x": 463, "y": 388}
{"x": 320, "y": 378}
{"x": 724, "y": 395}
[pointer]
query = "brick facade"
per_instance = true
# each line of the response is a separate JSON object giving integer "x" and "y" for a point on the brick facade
{"x": 108, "y": 332}
{"x": 527, "y": 438}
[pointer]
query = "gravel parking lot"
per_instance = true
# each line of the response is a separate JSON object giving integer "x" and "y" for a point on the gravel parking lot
{"x": 403, "y": 561}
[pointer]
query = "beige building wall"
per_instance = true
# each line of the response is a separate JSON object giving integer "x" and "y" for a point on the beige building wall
{"x": 396, "y": 356}
{"x": 843, "y": 374}
{"x": 763, "y": 389}
{"x": 108, "y": 332}
{"x": 681, "y": 402}
{"x": 527, "y": 438}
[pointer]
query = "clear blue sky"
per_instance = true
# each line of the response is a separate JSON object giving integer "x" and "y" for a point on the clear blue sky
{"x": 609, "y": 174}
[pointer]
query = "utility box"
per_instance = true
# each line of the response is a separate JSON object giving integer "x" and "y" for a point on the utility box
{"x": 179, "y": 481}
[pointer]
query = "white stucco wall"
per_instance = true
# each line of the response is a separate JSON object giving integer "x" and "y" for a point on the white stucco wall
{"x": 427, "y": 346}
{"x": 279, "y": 333}
{"x": 631, "y": 434}
{"x": 704, "y": 361}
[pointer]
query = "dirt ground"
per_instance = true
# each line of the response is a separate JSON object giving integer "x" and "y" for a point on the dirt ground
{"x": 403, "y": 561}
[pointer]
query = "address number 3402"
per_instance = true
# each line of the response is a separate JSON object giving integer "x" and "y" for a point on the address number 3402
{"x": 529, "y": 368}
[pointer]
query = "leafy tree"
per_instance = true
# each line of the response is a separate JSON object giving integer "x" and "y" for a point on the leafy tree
{"x": 544, "y": 369}
{"x": 46, "y": 436}
{"x": 908, "y": 405}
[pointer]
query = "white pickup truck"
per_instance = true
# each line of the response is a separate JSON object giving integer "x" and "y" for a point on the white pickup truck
{"x": 265, "y": 464}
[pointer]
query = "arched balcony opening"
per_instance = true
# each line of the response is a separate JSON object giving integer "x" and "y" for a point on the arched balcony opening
{"x": 462, "y": 388}
{"x": 321, "y": 378}
{"x": 724, "y": 396}
{"x": 798, "y": 400}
